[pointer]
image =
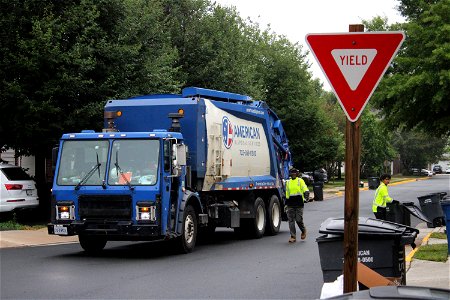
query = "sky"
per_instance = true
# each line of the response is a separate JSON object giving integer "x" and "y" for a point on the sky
{"x": 296, "y": 18}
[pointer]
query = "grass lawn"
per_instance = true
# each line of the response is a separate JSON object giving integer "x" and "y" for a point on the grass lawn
{"x": 436, "y": 252}
{"x": 13, "y": 225}
{"x": 438, "y": 235}
{"x": 22, "y": 220}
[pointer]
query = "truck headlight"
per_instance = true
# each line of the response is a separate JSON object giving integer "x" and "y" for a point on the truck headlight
{"x": 65, "y": 211}
{"x": 145, "y": 212}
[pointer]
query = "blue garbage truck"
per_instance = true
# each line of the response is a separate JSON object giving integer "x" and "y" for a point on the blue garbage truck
{"x": 168, "y": 167}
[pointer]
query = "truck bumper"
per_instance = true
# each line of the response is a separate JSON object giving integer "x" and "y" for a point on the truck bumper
{"x": 112, "y": 230}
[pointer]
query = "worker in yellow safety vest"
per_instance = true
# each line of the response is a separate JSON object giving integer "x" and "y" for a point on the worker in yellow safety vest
{"x": 295, "y": 198}
{"x": 381, "y": 197}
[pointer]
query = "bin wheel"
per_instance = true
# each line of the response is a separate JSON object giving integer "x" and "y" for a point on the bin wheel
{"x": 438, "y": 222}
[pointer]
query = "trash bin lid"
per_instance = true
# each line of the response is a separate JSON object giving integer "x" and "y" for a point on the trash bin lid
{"x": 415, "y": 211}
{"x": 366, "y": 226}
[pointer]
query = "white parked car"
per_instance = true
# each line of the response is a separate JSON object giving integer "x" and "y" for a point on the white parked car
{"x": 17, "y": 189}
{"x": 447, "y": 171}
{"x": 426, "y": 172}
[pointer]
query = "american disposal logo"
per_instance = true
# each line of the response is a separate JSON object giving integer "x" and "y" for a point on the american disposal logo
{"x": 227, "y": 132}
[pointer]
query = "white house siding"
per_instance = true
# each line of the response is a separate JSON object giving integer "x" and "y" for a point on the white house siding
{"x": 26, "y": 162}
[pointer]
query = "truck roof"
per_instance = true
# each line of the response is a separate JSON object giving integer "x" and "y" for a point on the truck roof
{"x": 90, "y": 134}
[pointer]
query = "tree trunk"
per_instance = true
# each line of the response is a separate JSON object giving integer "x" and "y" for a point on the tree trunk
{"x": 43, "y": 186}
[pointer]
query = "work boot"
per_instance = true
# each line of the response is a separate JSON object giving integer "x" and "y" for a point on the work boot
{"x": 303, "y": 236}
{"x": 292, "y": 239}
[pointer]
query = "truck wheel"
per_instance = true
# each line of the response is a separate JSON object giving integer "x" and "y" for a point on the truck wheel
{"x": 92, "y": 244}
{"x": 259, "y": 222}
{"x": 273, "y": 216}
{"x": 255, "y": 227}
{"x": 186, "y": 242}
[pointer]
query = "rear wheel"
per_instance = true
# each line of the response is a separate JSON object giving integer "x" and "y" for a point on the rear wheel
{"x": 273, "y": 216}
{"x": 254, "y": 227}
{"x": 259, "y": 223}
{"x": 92, "y": 244}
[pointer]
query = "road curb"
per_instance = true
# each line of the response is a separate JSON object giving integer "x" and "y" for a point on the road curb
{"x": 410, "y": 256}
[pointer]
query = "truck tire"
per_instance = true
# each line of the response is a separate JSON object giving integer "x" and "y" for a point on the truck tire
{"x": 92, "y": 244}
{"x": 273, "y": 216}
{"x": 186, "y": 242}
{"x": 255, "y": 227}
{"x": 258, "y": 224}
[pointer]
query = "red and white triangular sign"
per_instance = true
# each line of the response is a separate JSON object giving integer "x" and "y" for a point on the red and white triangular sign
{"x": 354, "y": 63}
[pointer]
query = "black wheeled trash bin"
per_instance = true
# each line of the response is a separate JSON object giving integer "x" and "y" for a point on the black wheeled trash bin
{"x": 373, "y": 182}
{"x": 400, "y": 212}
{"x": 318, "y": 191}
{"x": 396, "y": 214}
{"x": 431, "y": 207}
{"x": 381, "y": 247}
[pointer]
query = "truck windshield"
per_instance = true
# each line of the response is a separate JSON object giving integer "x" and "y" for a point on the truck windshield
{"x": 134, "y": 162}
{"x": 79, "y": 158}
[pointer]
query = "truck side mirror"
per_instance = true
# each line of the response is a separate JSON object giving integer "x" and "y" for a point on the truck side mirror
{"x": 180, "y": 153}
{"x": 179, "y": 158}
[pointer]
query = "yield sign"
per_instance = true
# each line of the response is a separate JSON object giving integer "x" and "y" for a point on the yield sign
{"x": 354, "y": 63}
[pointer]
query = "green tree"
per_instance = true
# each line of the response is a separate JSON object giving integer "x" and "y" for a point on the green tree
{"x": 215, "y": 50}
{"x": 61, "y": 60}
{"x": 297, "y": 99}
{"x": 417, "y": 90}
{"x": 337, "y": 116}
{"x": 376, "y": 147}
{"x": 220, "y": 50}
{"x": 417, "y": 148}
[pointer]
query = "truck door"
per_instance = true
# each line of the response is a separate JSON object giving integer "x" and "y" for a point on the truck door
{"x": 171, "y": 188}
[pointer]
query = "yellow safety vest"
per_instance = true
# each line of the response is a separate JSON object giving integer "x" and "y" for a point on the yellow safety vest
{"x": 381, "y": 197}
{"x": 295, "y": 187}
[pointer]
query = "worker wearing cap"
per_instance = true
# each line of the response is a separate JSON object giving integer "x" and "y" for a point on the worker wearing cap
{"x": 295, "y": 189}
{"x": 381, "y": 197}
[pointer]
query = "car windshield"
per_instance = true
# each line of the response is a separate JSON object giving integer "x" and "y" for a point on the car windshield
{"x": 134, "y": 162}
{"x": 83, "y": 161}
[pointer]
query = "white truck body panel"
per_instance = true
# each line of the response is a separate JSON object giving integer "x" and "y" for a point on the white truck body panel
{"x": 236, "y": 147}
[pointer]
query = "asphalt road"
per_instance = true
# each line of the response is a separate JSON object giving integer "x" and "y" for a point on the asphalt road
{"x": 225, "y": 267}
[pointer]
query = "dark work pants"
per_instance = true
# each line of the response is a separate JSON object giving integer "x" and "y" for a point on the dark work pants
{"x": 381, "y": 213}
{"x": 295, "y": 215}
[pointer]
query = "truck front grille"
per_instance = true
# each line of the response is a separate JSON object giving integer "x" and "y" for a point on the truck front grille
{"x": 104, "y": 207}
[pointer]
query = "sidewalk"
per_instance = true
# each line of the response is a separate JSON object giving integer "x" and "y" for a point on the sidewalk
{"x": 32, "y": 238}
{"x": 423, "y": 272}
